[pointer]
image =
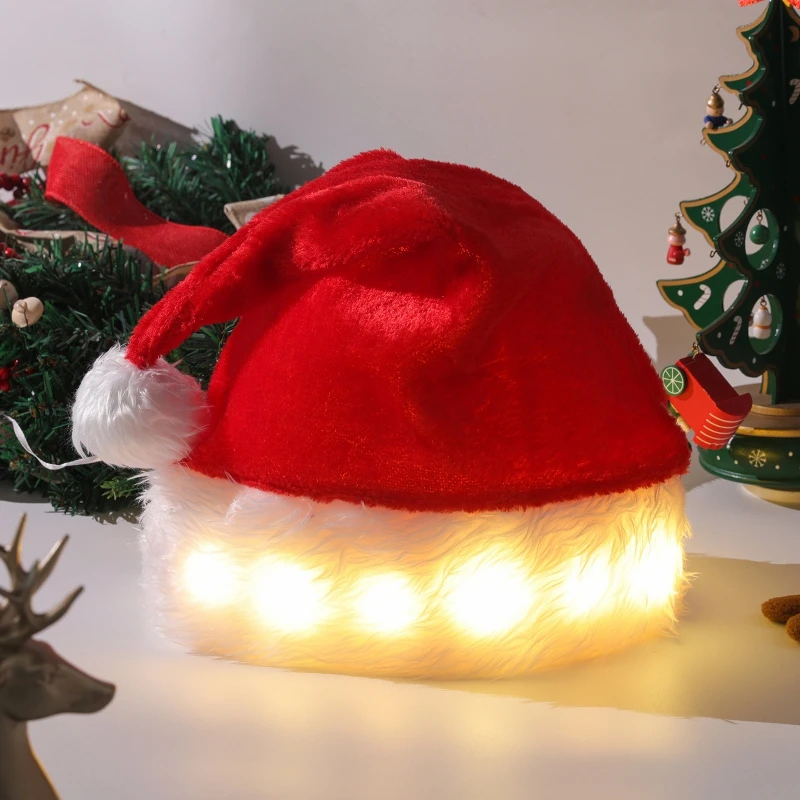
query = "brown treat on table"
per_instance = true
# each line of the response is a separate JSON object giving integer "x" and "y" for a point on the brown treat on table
{"x": 782, "y": 609}
{"x": 793, "y": 627}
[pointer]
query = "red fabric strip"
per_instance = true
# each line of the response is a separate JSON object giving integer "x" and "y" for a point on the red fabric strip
{"x": 88, "y": 180}
{"x": 795, "y": 3}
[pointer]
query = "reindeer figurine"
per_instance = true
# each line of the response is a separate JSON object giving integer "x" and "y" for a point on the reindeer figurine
{"x": 35, "y": 682}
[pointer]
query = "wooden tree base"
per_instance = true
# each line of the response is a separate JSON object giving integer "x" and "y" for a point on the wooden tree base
{"x": 780, "y": 497}
{"x": 764, "y": 454}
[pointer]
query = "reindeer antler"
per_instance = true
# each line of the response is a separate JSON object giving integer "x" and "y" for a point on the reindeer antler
{"x": 18, "y": 621}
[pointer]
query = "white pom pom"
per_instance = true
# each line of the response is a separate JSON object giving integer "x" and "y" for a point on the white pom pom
{"x": 132, "y": 417}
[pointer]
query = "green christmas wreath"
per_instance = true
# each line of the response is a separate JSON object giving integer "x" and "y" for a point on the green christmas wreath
{"x": 93, "y": 297}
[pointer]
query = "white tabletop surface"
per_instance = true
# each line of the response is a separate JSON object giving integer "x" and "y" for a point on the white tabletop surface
{"x": 713, "y": 713}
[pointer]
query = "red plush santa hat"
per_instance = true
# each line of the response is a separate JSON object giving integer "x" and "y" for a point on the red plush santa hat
{"x": 432, "y": 447}
{"x": 412, "y": 335}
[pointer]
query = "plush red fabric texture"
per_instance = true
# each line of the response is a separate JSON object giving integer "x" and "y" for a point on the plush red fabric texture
{"x": 418, "y": 335}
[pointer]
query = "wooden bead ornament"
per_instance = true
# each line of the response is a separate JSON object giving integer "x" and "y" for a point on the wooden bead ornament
{"x": 715, "y": 107}
{"x": 760, "y": 233}
{"x": 27, "y": 312}
{"x": 8, "y": 293}
{"x": 677, "y": 239}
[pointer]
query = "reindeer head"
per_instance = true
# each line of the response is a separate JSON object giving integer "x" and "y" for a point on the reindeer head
{"x": 35, "y": 682}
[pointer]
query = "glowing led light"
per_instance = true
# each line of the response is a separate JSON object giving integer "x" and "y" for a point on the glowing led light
{"x": 587, "y": 584}
{"x": 484, "y": 597}
{"x": 388, "y": 603}
{"x": 488, "y": 597}
{"x": 289, "y": 597}
{"x": 654, "y": 571}
{"x": 210, "y": 578}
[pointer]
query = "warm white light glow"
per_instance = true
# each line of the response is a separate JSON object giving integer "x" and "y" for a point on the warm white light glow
{"x": 361, "y": 590}
{"x": 289, "y": 597}
{"x": 488, "y": 596}
{"x": 210, "y": 578}
{"x": 388, "y": 603}
{"x": 587, "y": 584}
{"x": 654, "y": 569}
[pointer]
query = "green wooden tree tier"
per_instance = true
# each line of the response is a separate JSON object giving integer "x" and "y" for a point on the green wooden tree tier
{"x": 764, "y": 455}
{"x": 745, "y": 308}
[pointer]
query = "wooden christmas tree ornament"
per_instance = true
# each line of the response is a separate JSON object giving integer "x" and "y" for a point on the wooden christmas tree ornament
{"x": 715, "y": 112}
{"x": 705, "y": 401}
{"x": 745, "y": 308}
{"x": 677, "y": 239}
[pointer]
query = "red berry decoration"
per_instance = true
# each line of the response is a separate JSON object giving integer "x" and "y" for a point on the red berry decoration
{"x": 6, "y": 373}
{"x": 10, "y": 253}
{"x": 15, "y": 183}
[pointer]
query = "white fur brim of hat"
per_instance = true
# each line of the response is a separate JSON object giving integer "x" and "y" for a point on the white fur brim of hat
{"x": 286, "y": 582}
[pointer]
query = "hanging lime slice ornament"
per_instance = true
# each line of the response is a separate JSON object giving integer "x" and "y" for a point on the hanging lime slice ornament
{"x": 674, "y": 380}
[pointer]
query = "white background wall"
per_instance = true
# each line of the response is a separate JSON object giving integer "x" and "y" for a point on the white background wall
{"x": 593, "y": 107}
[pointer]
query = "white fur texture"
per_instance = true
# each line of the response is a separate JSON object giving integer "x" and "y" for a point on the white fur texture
{"x": 131, "y": 417}
{"x": 607, "y": 571}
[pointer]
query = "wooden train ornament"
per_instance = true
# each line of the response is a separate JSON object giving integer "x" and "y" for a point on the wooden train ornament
{"x": 704, "y": 401}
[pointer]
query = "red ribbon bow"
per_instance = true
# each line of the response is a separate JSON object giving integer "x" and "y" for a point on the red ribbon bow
{"x": 88, "y": 180}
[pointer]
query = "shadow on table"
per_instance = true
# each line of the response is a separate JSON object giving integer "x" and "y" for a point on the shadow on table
{"x": 8, "y": 495}
{"x": 130, "y": 514}
{"x": 727, "y": 662}
{"x": 696, "y": 476}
